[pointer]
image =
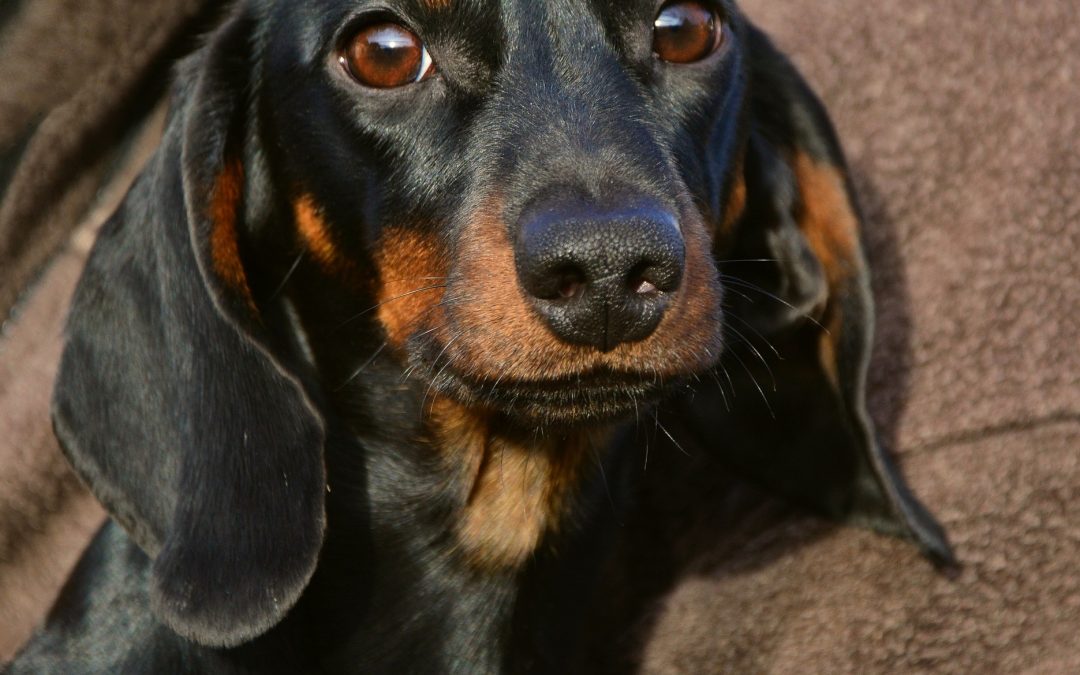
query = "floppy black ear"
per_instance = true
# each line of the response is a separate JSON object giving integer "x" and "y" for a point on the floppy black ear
{"x": 171, "y": 402}
{"x": 795, "y": 416}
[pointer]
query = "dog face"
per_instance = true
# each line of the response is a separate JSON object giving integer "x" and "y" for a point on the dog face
{"x": 528, "y": 190}
{"x": 525, "y": 210}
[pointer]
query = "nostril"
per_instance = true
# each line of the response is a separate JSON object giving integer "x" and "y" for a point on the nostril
{"x": 650, "y": 279}
{"x": 643, "y": 287}
{"x": 640, "y": 280}
{"x": 570, "y": 289}
{"x": 571, "y": 284}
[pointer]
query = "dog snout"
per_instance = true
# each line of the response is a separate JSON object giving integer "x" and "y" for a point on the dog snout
{"x": 600, "y": 276}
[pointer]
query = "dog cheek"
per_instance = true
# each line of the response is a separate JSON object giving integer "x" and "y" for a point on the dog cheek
{"x": 412, "y": 273}
{"x": 703, "y": 296}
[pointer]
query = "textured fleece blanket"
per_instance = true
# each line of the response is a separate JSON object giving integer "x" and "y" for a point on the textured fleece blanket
{"x": 961, "y": 121}
{"x": 73, "y": 78}
{"x": 46, "y": 515}
{"x": 76, "y": 81}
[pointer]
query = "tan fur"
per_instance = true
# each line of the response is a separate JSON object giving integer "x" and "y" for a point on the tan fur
{"x": 827, "y": 219}
{"x": 412, "y": 271}
{"x": 318, "y": 240}
{"x": 736, "y": 204}
{"x": 499, "y": 335}
{"x": 224, "y": 242}
{"x": 514, "y": 491}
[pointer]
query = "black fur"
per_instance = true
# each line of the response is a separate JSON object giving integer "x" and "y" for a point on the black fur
{"x": 277, "y": 501}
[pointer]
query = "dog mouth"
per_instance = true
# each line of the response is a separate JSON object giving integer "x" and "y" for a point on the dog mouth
{"x": 591, "y": 398}
{"x": 599, "y": 395}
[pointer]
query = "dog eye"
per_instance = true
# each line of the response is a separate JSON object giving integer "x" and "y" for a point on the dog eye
{"x": 684, "y": 32}
{"x": 386, "y": 55}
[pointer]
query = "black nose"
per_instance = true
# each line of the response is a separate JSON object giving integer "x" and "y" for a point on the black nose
{"x": 600, "y": 276}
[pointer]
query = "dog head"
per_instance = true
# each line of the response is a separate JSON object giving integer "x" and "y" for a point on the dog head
{"x": 531, "y": 189}
{"x": 523, "y": 207}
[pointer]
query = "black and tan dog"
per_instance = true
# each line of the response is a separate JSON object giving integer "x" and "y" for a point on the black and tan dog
{"x": 356, "y": 362}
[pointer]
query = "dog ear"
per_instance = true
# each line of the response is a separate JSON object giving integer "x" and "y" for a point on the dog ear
{"x": 172, "y": 402}
{"x": 799, "y": 324}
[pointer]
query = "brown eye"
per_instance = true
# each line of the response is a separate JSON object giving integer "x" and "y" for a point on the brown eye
{"x": 685, "y": 32}
{"x": 386, "y": 55}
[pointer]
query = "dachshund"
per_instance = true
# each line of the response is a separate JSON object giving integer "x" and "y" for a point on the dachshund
{"x": 358, "y": 367}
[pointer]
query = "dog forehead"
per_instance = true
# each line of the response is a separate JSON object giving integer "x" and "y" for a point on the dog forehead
{"x": 503, "y": 21}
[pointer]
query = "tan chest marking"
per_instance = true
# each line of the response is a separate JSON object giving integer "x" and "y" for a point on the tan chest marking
{"x": 514, "y": 492}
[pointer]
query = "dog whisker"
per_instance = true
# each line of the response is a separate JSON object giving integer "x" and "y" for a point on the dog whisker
{"x": 726, "y": 278}
{"x": 753, "y": 379}
{"x": 389, "y": 300}
{"x": 739, "y": 293}
{"x": 288, "y": 275}
{"x": 667, "y": 433}
{"x": 757, "y": 333}
{"x": 432, "y": 381}
{"x": 730, "y": 382}
{"x": 756, "y": 353}
{"x": 363, "y": 367}
{"x": 604, "y": 480}
{"x": 720, "y": 386}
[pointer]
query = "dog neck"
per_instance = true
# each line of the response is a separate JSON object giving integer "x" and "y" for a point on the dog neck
{"x": 513, "y": 487}
{"x": 450, "y": 518}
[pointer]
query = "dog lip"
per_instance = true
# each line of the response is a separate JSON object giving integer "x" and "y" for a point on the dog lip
{"x": 589, "y": 398}
{"x": 556, "y": 390}
{"x": 599, "y": 393}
